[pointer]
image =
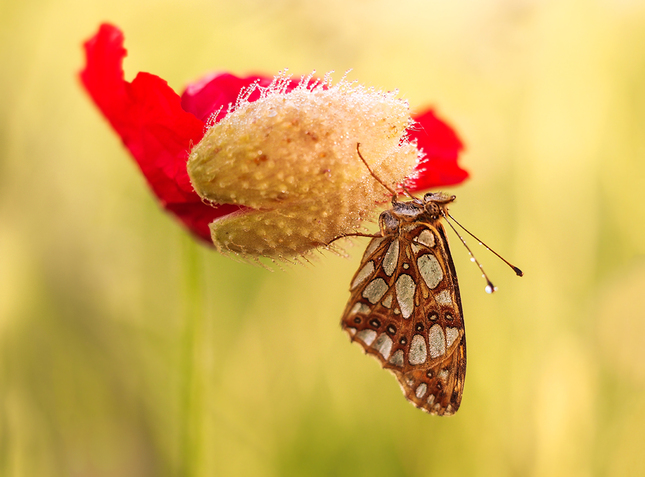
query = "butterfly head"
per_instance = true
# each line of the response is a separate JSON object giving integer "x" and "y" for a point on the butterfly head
{"x": 435, "y": 204}
{"x": 432, "y": 207}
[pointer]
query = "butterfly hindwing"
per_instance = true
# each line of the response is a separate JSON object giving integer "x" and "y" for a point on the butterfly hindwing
{"x": 405, "y": 310}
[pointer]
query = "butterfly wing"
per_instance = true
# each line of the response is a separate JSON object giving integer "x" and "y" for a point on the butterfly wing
{"x": 405, "y": 310}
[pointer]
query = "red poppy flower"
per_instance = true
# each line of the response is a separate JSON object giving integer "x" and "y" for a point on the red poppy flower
{"x": 159, "y": 128}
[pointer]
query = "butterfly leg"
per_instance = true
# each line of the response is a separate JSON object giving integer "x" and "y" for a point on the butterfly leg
{"x": 357, "y": 234}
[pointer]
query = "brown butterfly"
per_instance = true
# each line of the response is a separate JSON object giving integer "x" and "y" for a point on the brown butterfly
{"x": 405, "y": 308}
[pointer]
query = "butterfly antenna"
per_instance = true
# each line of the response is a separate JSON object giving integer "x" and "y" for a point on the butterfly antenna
{"x": 376, "y": 178}
{"x": 517, "y": 271}
{"x": 408, "y": 193}
{"x": 490, "y": 288}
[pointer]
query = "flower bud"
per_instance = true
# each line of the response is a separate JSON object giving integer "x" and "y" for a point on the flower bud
{"x": 291, "y": 159}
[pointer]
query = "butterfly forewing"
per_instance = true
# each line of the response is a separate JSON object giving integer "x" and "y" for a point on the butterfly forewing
{"x": 405, "y": 310}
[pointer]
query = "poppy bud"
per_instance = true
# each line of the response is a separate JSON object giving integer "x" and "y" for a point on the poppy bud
{"x": 291, "y": 159}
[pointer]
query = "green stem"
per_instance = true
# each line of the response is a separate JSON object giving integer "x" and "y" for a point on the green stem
{"x": 192, "y": 348}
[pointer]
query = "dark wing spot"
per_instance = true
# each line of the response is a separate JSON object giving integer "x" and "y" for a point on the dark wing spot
{"x": 419, "y": 327}
{"x": 391, "y": 329}
{"x": 375, "y": 323}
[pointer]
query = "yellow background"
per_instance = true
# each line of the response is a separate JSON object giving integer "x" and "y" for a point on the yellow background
{"x": 127, "y": 349}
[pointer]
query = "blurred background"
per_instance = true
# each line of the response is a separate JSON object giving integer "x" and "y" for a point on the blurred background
{"x": 128, "y": 349}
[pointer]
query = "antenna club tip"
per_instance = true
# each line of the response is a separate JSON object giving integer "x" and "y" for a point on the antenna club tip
{"x": 518, "y": 272}
{"x": 490, "y": 288}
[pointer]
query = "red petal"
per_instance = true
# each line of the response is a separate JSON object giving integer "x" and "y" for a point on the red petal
{"x": 216, "y": 91}
{"x": 148, "y": 116}
{"x": 441, "y": 146}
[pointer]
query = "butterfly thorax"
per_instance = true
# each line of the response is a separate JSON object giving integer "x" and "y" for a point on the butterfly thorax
{"x": 430, "y": 209}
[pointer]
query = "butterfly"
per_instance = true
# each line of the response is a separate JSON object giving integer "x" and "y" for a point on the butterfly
{"x": 405, "y": 307}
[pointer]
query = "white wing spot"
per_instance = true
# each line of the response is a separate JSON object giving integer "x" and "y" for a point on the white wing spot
{"x": 415, "y": 247}
{"x": 421, "y": 390}
{"x": 391, "y": 258}
{"x": 387, "y": 301}
{"x": 451, "y": 335}
{"x": 418, "y": 351}
{"x": 397, "y": 358}
{"x": 383, "y": 345}
{"x": 406, "y": 265}
{"x": 375, "y": 290}
{"x": 443, "y": 374}
{"x": 365, "y": 272}
{"x": 426, "y": 238}
{"x": 431, "y": 399}
{"x": 436, "y": 341}
{"x": 359, "y": 308}
{"x": 373, "y": 245}
{"x": 367, "y": 336}
{"x": 405, "y": 288}
{"x": 444, "y": 298}
{"x": 352, "y": 331}
{"x": 430, "y": 270}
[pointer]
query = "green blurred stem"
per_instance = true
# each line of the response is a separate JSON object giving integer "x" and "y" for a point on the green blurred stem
{"x": 192, "y": 352}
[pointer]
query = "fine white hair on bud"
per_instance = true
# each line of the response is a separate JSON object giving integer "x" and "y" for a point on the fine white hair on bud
{"x": 291, "y": 158}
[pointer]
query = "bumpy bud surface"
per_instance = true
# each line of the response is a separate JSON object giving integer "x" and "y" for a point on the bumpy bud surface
{"x": 291, "y": 157}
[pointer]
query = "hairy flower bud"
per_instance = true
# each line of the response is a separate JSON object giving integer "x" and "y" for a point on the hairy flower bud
{"x": 291, "y": 159}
